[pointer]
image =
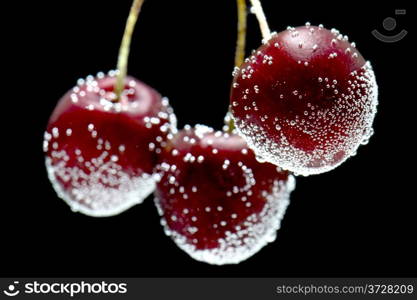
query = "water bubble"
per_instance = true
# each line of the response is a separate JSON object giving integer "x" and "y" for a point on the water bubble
{"x": 104, "y": 190}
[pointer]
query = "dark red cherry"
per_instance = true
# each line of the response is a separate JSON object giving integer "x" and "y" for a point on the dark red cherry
{"x": 100, "y": 154}
{"x": 217, "y": 202}
{"x": 305, "y": 100}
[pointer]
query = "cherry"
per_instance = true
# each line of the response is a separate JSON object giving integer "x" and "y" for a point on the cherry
{"x": 217, "y": 202}
{"x": 100, "y": 154}
{"x": 102, "y": 140}
{"x": 305, "y": 100}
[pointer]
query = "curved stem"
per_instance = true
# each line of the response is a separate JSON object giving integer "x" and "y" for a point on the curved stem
{"x": 125, "y": 47}
{"x": 260, "y": 15}
{"x": 240, "y": 47}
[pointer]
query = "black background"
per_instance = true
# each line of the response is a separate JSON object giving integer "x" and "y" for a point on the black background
{"x": 358, "y": 220}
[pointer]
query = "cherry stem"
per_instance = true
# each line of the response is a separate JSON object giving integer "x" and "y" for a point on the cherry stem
{"x": 260, "y": 15}
{"x": 241, "y": 32}
{"x": 240, "y": 44}
{"x": 125, "y": 48}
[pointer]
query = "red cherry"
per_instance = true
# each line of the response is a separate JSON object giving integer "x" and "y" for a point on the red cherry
{"x": 100, "y": 154}
{"x": 217, "y": 202}
{"x": 305, "y": 100}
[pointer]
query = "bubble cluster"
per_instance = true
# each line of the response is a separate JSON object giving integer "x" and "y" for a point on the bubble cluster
{"x": 216, "y": 201}
{"x": 100, "y": 153}
{"x": 104, "y": 190}
{"x": 310, "y": 109}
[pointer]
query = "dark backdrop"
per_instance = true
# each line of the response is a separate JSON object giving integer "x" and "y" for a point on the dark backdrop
{"x": 358, "y": 220}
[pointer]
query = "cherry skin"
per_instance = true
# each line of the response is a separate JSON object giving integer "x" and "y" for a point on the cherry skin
{"x": 305, "y": 100}
{"x": 100, "y": 154}
{"x": 217, "y": 202}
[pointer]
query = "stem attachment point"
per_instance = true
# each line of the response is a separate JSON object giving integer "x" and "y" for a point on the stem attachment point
{"x": 125, "y": 47}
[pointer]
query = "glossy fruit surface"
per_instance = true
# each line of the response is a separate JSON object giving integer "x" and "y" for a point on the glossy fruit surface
{"x": 100, "y": 154}
{"x": 217, "y": 202}
{"x": 305, "y": 100}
